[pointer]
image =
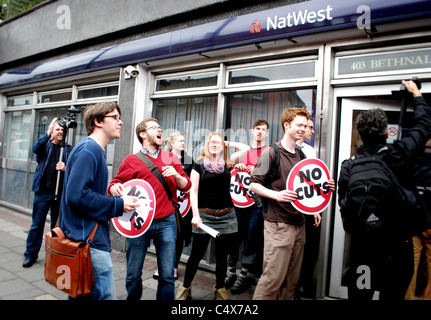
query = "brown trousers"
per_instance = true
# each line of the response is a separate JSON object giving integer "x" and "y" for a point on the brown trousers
{"x": 421, "y": 242}
{"x": 283, "y": 252}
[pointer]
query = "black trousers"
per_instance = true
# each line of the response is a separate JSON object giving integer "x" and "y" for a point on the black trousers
{"x": 380, "y": 264}
{"x": 199, "y": 247}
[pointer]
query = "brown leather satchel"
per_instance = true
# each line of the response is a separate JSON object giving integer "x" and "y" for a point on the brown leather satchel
{"x": 68, "y": 264}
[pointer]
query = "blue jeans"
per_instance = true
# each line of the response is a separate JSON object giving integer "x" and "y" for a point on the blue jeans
{"x": 42, "y": 203}
{"x": 103, "y": 271}
{"x": 163, "y": 232}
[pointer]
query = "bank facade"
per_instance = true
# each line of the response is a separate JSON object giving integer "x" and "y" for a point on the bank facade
{"x": 222, "y": 71}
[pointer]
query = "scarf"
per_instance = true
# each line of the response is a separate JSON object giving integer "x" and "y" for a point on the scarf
{"x": 218, "y": 168}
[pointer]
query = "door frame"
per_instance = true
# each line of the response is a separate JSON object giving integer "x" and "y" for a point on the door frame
{"x": 345, "y": 101}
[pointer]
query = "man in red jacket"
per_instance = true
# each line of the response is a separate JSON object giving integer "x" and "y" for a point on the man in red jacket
{"x": 163, "y": 228}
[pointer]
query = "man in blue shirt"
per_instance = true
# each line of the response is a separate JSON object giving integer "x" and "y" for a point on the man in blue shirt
{"x": 85, "y": 202}
{"x": 47, "y": 150}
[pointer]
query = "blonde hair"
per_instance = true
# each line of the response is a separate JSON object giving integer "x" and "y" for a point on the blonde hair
{"x": 206, "y": 153}
{"x": 171, "y": 138}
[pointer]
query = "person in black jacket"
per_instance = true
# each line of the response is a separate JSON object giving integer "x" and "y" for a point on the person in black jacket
{"x": 388, "y": 257}
{"x": 47, "y": 150}
{"x": 421, "y": 177}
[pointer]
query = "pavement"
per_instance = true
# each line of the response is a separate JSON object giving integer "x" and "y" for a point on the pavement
{"x": 18, "y": 283}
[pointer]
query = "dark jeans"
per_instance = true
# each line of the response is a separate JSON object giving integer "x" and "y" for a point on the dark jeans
{"x": 42, "y": 203}
{"x": 163, "y": 232}
{"x": 199, "y": 247}
{"x": 250, "y": 233}
{"x": 389, "y": 263}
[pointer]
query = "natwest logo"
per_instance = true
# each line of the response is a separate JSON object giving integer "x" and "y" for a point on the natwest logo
{"x": 256, "y": 27}
{"x": 293, "y": 19}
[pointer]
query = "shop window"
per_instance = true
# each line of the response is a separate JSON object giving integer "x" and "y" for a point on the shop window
{"x": 20, "y": 101}
{"x": 97, "y": 92}
{"x": 44, "y": 118}
{"x": 16, "y": 151}
{"x": 189, "y": 81}
{"x": 24, "y": 126}
{"x": 271, "y": 73}
{"x": 195, "y": 120}
{"x": 17, "y": 140}
{"x": 48, "y": 97}
{"x": 244, "y": 109}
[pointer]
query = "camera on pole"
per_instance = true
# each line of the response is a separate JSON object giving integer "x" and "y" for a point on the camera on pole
{"x": 406, "y": 96}
{"x": 68, "y": 122}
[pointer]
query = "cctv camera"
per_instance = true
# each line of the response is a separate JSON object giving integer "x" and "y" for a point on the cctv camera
{"x": 131, "y": 71}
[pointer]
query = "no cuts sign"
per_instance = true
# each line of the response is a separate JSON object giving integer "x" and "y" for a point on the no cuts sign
{"x": 309, "y": 179}
{"x": 240, "y": 192}
{"x": 183, "y": 199}
{"x": 133, "y": 224}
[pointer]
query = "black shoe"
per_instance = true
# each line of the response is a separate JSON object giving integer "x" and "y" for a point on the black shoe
{"x": 156, "y": 274}
{"x": 239, "y": 286}
{"x": 28, "y": 262}
{"x": 230, "y": 280}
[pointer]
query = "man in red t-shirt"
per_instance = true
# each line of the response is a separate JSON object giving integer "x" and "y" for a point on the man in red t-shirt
{"x": 163, "y": 227}
{"x": 250, "y": 219}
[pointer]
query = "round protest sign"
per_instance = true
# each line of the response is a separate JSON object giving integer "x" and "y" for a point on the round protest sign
{"x": 240, "y": 192}
{"x": 184, "y": 202}
{"x": 309, "y": 179}
{"x": 132, "y": 224}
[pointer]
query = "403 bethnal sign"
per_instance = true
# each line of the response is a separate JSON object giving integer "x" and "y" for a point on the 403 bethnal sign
{"x": 384, "y": 62}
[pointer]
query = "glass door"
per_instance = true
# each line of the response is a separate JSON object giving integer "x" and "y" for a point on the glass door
{"x": 348, "y": 145}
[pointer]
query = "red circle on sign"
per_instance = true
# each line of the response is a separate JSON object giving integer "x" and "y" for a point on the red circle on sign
{"x": 240, "y": 189}
{"x": 135, "y": 223}
{"x": 392, "y": 131}
{"x": 290, "y": 185}
{"x": 183, "y": 199}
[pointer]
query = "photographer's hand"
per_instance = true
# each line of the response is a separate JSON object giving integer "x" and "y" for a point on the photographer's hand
{"x": 51, "y": 126}
{"x": 412, "y": 88}
{"x": 61, "y": 166}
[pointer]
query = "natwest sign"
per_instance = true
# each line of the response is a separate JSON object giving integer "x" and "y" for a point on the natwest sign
{"x": 290, "y": 21}
{"x": 300, "y": 17}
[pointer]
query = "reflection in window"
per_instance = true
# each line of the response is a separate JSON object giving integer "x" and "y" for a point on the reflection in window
{"x": 43, "y": 120}
{"x": 17, "y": 140}
{"x": 187, "y": 82}
{"x": 279, "y": 72}
{"x": 54, "y": 97}
{"x": 195, "y": 117}
{"x": 20, "y": 101}
{"x": 16, "y": 150}
{"x": 244, "y": 109}
{"x": 98, "y": 92}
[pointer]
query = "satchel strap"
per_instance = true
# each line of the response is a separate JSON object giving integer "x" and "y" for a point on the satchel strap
{"x": 90, "y": 238}
{"x": 58, "y": 232}
{"x": 155, "y": 171}
{"x": 61, "y": 236}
